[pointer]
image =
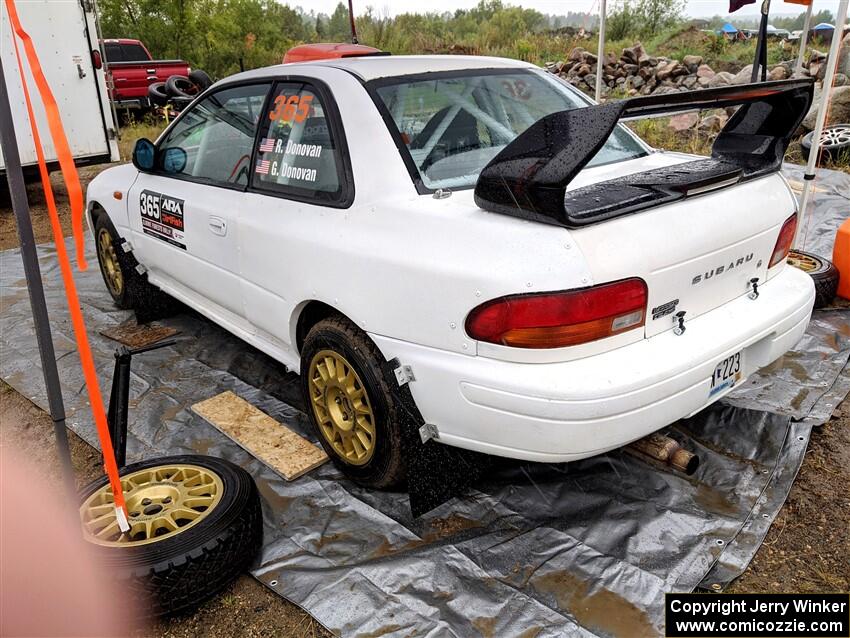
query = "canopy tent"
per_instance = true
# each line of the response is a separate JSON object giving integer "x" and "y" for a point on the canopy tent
{"x": 823, "y": 26}
{"x": 728, "y": 28}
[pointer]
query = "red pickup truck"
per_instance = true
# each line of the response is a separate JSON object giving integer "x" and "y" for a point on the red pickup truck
{"x": 131, "y": 70}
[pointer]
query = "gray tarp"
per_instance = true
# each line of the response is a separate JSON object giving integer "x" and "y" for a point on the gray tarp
{"x": 533, "y": 550}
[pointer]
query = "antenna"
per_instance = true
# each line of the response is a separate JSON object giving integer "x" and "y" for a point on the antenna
{"x": 351, "y": 20}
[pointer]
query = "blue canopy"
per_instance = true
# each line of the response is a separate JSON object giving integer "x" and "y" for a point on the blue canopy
{"x": 728, "y": 28}
{"x": 823, "y": 26}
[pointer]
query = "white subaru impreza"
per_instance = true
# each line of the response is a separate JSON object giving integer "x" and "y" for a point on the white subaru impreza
{"x": 546, "y": 285}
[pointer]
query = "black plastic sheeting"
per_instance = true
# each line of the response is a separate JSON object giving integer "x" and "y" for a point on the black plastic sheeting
{"x": 587, "y": 548}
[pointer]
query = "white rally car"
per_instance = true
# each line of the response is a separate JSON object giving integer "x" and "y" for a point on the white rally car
{"x": 546, "y": 285}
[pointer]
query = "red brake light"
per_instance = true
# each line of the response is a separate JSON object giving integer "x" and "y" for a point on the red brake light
{"x": 96, "y": 59}
{"x": 557, "y": 319}
{"x": 783, "y": 242}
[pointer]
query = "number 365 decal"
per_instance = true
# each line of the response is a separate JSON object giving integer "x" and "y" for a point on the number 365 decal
{"x": 291, "y": 108}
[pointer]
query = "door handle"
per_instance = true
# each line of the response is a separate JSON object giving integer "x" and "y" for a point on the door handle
{"x": 217, "y": 225}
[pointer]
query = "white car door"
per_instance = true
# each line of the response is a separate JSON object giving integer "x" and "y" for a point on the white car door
{"x": 299, "y": 177}
{"x": 184, "y": 214}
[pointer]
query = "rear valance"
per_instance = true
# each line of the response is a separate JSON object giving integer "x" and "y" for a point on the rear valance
{"x": 529, "y": 177}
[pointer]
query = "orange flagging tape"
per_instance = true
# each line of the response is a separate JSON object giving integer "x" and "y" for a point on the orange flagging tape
{"x": 68, "y": 170}
{"x": 57, "y": 133}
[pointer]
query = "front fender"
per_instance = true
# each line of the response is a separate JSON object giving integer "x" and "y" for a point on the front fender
{"x": 102, "y": 192}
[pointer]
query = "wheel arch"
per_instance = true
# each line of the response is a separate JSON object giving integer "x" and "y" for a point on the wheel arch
{"x": 307, "y": 314}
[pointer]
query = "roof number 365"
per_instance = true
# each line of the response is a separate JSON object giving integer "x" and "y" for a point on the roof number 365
{"x": 293, "y": 108}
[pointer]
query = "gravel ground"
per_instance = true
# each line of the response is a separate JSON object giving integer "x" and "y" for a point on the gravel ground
{"x": 806, "y": 550}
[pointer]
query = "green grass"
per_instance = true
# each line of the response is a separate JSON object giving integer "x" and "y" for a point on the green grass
{"x": 133, "y": 131}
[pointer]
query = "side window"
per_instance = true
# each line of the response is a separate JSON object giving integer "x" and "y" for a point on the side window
{"x": 297, "y": 153}
{"x": 215, "y": 137}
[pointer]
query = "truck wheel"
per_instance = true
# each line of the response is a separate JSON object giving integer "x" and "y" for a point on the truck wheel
{"x": 157, "y": 94}
{"x": 195, "y": 524}
{"x": 127, "y": 287}
{"x": 201, "y": 79}
{"x": 822, "y": 271}
{"x": 346, "y": 386}
{"x": 181, "y": 86}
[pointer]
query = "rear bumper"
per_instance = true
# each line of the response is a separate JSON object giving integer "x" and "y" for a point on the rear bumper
{"x": 565, "y": 411}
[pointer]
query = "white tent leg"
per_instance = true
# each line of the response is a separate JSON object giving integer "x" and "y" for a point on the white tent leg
{"x": 600, "y": 53}
{"x": 811, "y": 167}
{"x": 804, "y": 38}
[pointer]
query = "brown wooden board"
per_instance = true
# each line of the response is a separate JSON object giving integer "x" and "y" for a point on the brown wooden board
{"x": 287, "y": 453}
{"x": 135, "y": 335}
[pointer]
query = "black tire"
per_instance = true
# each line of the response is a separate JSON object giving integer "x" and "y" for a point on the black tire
{"x": 181, "y": 86}
{"x": 157, "y": 93}
{"x": 186, "y": 569}
{"x": 823, "y": 272}
{"x": 386, "y": 468}
{"x": 835, "y": 143}
{"x": 136, "y": 293}
{"x": 201, "y": 79}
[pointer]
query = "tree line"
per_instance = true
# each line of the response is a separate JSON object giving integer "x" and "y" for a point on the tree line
{"x": 224, "y": 36}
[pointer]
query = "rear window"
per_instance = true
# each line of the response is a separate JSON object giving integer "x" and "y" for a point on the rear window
{"x": 116, "y": 52}
{"x": 451, "y": 127}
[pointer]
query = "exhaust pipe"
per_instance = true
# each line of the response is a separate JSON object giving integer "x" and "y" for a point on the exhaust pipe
{"x": 664, "y": 450}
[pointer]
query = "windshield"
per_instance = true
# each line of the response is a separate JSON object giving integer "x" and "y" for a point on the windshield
{"x": 453, "y": 126}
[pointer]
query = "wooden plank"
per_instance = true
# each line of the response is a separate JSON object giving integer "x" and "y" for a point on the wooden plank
{"x": 286, "y": 452}
{"x": 135, "y": 335}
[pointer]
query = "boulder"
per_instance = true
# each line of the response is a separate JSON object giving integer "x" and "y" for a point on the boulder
{"x": 576, "y": 54}
{"x": 841, "y": 80}
{"x": 590, "y": 80}
{"x": 722, "y": 78}
{"x": 705, "y": 71}
{"x": 689, "y": 81}
{"x": 713, "y": 122}
{"x": 703, "y": 82}
{"x": 683, "y": 121}
{"x": 744, "y": 75}
{"x": 582, "y": 70}
{"x": 671, "y": 69}
{"x": 777, "y": 73}
{"x": 839, "y": 108}
{"x": 692, "y": 62}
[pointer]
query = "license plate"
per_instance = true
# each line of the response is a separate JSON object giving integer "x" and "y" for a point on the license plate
{"x": 727, "y": 373}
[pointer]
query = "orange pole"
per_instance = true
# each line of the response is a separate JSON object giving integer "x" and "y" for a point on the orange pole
{"x": 69, "y": 173}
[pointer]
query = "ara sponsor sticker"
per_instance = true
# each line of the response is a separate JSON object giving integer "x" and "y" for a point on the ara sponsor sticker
{"x": 162, "y": 217}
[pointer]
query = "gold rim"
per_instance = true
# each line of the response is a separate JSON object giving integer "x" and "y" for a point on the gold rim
{"x": 803, "y": 262}
{"x": 109, "y": 265}
{"x": 342, "y": 407}
{"x": 162, "y": 501}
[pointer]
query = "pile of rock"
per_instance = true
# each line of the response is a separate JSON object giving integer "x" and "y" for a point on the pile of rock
{"x": 635, "y": 72}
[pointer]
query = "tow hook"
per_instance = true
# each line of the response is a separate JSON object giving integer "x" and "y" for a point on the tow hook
{"x": 679, "y": 320}
{"x": 754, "y": 284}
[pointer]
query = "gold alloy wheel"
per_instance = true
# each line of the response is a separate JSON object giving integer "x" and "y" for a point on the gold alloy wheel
{"x": 109, "y": 263}
{"x": 803, "y": 262}
{"x": 162, "y": 501}
{"x": 342, "y": 407}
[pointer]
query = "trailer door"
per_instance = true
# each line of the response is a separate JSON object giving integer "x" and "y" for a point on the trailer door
{"x": 63, "y": 35}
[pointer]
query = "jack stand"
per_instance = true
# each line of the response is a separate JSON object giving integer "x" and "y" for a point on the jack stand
{"x": 119, "y": 398}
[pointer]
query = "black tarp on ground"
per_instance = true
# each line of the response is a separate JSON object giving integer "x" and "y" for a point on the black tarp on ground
{"x": 533, "y": 550}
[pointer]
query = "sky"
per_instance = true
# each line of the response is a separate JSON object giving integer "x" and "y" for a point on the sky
{"x": 694, "y": 8}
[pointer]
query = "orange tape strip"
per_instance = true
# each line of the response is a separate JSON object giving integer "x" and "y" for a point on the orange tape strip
{"x": 57, "y": 133}
{"x": 83, "y": 348}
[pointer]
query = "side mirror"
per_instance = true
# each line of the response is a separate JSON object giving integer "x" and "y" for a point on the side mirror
{"x": 174, "y": 160}
{"x": 143, "y": 154}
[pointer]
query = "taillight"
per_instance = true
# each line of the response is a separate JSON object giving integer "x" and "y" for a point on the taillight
{"x": 784, "y": 241}
{"x": 96, "y": 59}
{"x": 557, "y": 319}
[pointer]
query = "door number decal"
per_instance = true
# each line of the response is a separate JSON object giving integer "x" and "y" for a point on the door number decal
{"x": 162, "y": 217}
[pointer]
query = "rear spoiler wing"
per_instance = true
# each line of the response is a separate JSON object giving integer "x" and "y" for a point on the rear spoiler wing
{"x": 529, "y": 177}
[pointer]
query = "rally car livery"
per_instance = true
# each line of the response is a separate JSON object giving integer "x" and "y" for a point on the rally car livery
{"x": 546, "y": 285}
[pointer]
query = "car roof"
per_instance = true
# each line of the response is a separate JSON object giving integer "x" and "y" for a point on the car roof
{"x": 375, "y": 67}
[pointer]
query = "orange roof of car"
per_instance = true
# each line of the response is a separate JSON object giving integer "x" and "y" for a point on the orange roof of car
{"x": 328, "y": 51}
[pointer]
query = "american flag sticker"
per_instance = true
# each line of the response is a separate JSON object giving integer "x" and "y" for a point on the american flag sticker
{"x": 262, "y": 167}
{"x": 267, "y": 145}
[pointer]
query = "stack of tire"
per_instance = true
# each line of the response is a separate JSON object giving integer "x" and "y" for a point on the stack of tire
{"x": 179, "y": 90}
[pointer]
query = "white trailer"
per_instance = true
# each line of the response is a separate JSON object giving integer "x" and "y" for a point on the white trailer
{"x": 66, "y": 38}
